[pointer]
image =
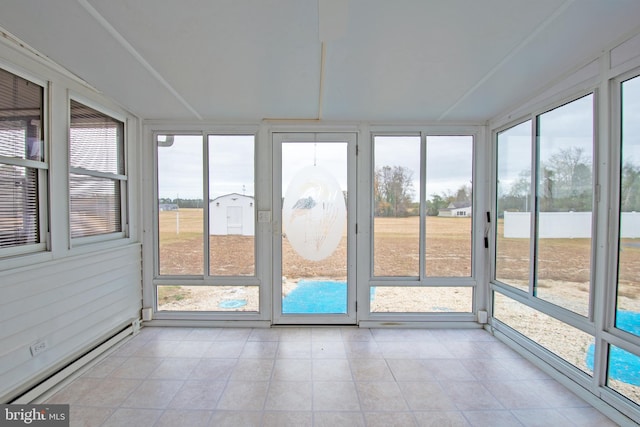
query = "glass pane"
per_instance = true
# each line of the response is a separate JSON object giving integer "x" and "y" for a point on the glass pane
{"x": 95, "y": 140}
{"x": 564, "y": 191}
{"x": 21, "y": 133}
{"x": 420, "y": 299}
{"x": 18, "y": 206}
{"x": 95, "y": 205}
{"x": 231, "y": 205}
{"x": 571, "y": 344}
{"x": 449, "y": 197}
{"x": 623, "y": 373}
{"x": 180, "y": 210}
{"x": 628, "y": 294}
{"x": 513, "y": 206}
{"x": 314, "y": 227}
{"x": 208, "y": 298}
{"x": 396, "y": 222}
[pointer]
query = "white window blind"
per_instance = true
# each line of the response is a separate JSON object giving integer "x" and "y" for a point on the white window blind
{"x": 21, "y": 161}
{"x": 97, "y": 179}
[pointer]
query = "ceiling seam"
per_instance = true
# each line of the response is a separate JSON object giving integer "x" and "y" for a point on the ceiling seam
{"x": 560, "y": 10}
{"x": 323, "y": 55}
{"x": 129, "y": 48}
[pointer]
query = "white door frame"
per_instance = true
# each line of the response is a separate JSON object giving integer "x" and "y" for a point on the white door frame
{"x": 348, "y": 318}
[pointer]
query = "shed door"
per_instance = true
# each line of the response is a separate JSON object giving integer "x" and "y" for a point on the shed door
{"x": 234, "y": 219}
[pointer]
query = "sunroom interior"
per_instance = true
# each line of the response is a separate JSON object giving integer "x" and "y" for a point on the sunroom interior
{"x": 322, "y": 165}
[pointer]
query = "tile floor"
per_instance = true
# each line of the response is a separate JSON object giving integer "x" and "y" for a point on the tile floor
{"x": 319, "y": 377}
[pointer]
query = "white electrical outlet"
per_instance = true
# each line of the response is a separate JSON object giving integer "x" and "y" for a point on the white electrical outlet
{"x": 38, "y": 347}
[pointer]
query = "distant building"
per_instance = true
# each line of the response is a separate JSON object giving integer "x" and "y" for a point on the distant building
{"x": 456, "y": 209}
{"x": 232, "y": 214}
{"x": 168, "y": 207}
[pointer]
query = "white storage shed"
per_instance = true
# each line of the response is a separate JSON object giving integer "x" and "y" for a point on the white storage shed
{"x": 232, "y": 214}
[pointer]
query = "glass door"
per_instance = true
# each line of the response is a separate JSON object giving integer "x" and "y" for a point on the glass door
{"x": 314, "y": 248}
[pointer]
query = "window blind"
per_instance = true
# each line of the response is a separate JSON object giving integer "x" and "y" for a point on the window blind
{"x": 21, "y": 158}
{"x": 96, "y": 161}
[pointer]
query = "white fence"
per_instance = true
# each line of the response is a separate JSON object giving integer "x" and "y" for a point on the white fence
{"x": 564, "y": 225}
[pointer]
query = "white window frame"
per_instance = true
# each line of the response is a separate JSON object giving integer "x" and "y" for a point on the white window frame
{"x": 43, "y": 173}
{"x": 121, "y": 178}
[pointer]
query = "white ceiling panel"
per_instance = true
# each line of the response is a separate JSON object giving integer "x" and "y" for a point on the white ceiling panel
{"x": 406, "y": 60}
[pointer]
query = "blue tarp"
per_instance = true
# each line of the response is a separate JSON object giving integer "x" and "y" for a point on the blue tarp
{"x": 317, "y": 297}
{"x": 623, "y": 366}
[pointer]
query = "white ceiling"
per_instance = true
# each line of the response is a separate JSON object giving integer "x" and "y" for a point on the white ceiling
{"x": 449, "y": 60}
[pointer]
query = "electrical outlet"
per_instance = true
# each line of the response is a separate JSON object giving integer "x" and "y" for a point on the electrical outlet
{"x": 38, "y": 347}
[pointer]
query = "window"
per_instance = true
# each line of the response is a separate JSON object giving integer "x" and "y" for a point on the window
{"x": 628, "y": 296}
{"x": 182, "y": 212}
{"x": 97, "y": 180}
{"x": 564, "y": 199}
{"x": 422, "y": 223}
{"x": 23, "y": 170}
{"x": 513, "y": 206}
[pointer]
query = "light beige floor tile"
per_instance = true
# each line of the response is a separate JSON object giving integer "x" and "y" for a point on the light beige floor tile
{"x": 224, "y": 349}
{"x": 153, "y": 394}
{"x": 288, "y": 419}
{"x": 176, "y": 417}
{"x": 331, "y": 370}
{"x": 244, "y": 395}
{"x": 586, "y": 417}
{"x": 426, "y": 396}
{"x": 362, "y": 350}
{"x": 381, "y": 396}
{"x": 292, "y": 370}
{"x": 105, "y": 367}
{"x": 441, "y": 419}
{"x": 175, "y": 368}
{"x": 88, "y": 416}
{"x": 252, "y": 370}
{"x": 265, "y": 334}
{"x": 294, "y": 349}
{"x": 73, "y": 391}
{"x": 492, "y": 418}
{"x": 469, "y": 395}
{"x": 259, "y": 350}
{"x": 137, "y": 367}
{"x": 390, "y": 419}
{"x": 213, "y": 369}
{"x": 335, "y": 396}
{"x": 201, "y": 395}
{"x": 194, "y": 349}
{"x": 289, "y": 396}
{"x": 337, "y": 419}
{"x": 203, "y": 334}
{"x": 541, "y": 417}
{"x": 409, "y": 370}
{"x": 111, "y": 392}
{"x": 328, "y": 350}
{"x": 236, "y": 419}
{"x": 370, "y": 370}
{"x": 448, "y": 369}
{"x": 321, "y": 335}
{"x": 127, "y": 417}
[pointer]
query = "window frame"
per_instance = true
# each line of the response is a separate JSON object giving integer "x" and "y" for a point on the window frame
{"x": 42, "y": 168}
{"x": 122, "y": 179}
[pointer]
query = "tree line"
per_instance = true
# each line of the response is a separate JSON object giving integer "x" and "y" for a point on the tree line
{"x": 393, "y": 194}
{"x": 565, "y": 183}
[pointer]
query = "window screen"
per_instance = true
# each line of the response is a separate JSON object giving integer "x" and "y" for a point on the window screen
{"x": 21, "y": 160}
{"x": 96, "y": 181}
